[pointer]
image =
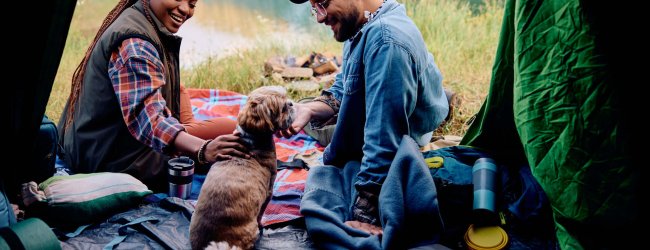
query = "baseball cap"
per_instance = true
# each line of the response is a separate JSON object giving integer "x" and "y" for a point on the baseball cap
{"x": 298, "y": 1}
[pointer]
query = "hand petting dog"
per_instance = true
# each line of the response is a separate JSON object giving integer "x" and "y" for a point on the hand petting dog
{"x": 224, "y": 147}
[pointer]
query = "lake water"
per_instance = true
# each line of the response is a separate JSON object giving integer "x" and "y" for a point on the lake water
{"x": 221, "y": 28}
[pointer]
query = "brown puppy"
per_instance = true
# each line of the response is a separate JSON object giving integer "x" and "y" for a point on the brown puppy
{"x": 236, "y": 191}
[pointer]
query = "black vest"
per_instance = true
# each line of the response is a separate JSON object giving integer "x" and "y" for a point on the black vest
{"x": 97, "y": 140}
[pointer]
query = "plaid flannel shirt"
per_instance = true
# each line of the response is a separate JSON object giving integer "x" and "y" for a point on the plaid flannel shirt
{"x": 137, "y": 74}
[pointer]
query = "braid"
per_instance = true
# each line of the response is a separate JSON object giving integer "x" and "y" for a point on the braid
{"x": 147, "y": 11}
{"x": 78, "y": 76}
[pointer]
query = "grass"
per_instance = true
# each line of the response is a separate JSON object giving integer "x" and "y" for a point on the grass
{"x": 85, "y": 22}
{"x": 462, "y": 43}
{"x": 464, "y": 46}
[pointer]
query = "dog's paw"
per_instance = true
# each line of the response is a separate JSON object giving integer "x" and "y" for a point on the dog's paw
{"x": 221, "y": 246}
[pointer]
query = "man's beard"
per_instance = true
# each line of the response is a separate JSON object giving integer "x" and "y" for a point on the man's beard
{"x": 348, "y": 25}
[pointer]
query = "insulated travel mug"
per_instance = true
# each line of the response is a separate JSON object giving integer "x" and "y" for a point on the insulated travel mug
{"x": 484, "y": 178}
{"x": 181, "y": 172}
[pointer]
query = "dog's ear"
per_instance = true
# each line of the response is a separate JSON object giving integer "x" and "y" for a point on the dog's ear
{"x": 261, "y": 113}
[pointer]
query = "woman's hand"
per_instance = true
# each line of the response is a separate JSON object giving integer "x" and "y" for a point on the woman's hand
{"x": 224, "y": 147}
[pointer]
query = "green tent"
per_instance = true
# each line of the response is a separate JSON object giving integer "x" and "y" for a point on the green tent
{"x": 557, "y": 101}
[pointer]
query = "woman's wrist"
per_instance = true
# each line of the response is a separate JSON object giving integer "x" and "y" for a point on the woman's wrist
{"x": 200, "y": 154}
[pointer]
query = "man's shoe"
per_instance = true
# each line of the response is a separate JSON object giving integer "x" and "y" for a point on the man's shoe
{"x": 366, "y": 209}
{"x": 453, "y": 101}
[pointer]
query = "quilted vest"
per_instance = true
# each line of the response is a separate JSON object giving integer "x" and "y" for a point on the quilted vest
{"x": 98, "y": 140}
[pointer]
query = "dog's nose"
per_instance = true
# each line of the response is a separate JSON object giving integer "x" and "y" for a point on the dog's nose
{"x": 290, "y": 104}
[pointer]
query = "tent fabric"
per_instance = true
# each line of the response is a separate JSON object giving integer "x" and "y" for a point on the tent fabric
{"x": 164, "y": 224}
{"x": 47, "y": 29}
{"x": 167, "y": 227}
{"x": 555, "y": 98}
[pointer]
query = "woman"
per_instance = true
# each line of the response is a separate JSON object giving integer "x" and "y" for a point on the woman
{"x": 125, "y": 104}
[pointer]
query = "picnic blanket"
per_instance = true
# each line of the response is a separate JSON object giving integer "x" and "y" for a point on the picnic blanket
{"x": 289, "y": 183}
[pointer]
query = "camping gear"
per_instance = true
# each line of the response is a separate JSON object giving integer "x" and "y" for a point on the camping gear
{"x": 486, "y": 238}
{"x": 181, "y": 172}
{"x": 47, "y": 30}
{"x": 83, "y": 198}
{"x": 164, "y": 224}
{"x": 561, "y": 101}
{"x": 26, "y": 103}
{"x": 484, "y": 178}
{"x": 31, "y": 233}
{"x": 47, "y": 148}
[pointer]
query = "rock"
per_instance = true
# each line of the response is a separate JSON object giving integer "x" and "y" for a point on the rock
{"x": 327, "y": 67}
{"x": 277, "y": 77}
{"x": 326, "y": 80}
{"x": 274, "y": 65}
{"x": 302, "y": 61}
{"x": 304, "y": 86}
{"x": 296, "y": 72}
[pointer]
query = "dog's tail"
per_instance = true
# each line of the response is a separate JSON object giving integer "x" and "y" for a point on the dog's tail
{"x": 221, "y": 246}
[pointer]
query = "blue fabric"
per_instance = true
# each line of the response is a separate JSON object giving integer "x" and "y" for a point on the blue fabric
{"x": 530, "y": 199}
{"x": 519, "y": 198}
{"x": 457, "y": 164}
{"x": 7, "y": 216}
{"x": 408, "y": 204}
{"x": 124, "y": 231}
{"x": 78, "y": 231}
{"x": 197, "y": 183}
{"x": 388, "y": 75}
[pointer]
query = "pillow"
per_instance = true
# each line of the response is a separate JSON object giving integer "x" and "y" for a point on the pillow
{"x": 79, "y": 199}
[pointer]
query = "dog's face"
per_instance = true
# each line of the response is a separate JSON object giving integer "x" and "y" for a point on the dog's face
{"x": 267, "y": 110}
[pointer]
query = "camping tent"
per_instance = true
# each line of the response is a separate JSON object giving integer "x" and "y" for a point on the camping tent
{"x": 560, "y": 98}
{"x": 33, "y": 58}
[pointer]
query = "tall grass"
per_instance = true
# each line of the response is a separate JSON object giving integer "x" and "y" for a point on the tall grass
{"x": 462, "y": 41}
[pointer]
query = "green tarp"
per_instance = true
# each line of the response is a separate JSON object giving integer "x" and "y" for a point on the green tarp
{"x": 556, "y": 100}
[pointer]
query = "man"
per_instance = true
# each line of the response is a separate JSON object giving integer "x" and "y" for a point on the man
{"x": 389, "y": 86}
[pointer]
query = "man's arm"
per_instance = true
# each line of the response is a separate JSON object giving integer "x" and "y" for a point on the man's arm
{"x": 390, "y": 92}
{"x": 391, "y": 95}
{"x": 305, "y": 112}
{"x": 316, "y": 110}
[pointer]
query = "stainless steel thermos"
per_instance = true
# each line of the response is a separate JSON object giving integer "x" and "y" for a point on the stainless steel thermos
{"x": 181, "y": 172}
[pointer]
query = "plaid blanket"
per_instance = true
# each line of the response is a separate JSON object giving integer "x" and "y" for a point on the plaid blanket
{"x": 289, "y": 183}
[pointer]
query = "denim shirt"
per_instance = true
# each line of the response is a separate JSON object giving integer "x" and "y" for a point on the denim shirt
{"x": 389, "y": 86}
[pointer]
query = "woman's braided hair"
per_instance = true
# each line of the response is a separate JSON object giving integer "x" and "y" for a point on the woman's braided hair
{"x": 78, "y": 76}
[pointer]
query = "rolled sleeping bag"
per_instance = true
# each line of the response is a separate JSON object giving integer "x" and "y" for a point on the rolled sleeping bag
{"x": 31, "y": 233}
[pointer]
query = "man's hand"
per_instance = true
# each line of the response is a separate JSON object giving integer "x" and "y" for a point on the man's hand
{"x": 368, "y": 228}
{"x": 224, "y": 147}
{"x": 302, "y": 117}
